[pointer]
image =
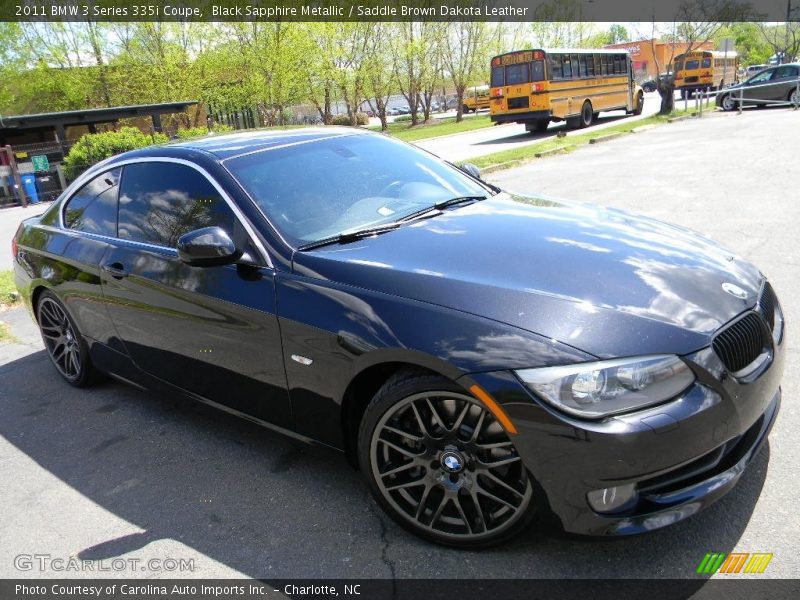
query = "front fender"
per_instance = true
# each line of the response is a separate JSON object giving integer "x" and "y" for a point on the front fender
{"x": 344, "y": 330}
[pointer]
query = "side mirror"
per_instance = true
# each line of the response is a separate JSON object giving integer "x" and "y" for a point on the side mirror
{"x": 471, "y": 170}
{"x": 207, "y": 247}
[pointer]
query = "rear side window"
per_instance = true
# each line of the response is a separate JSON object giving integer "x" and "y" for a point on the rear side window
{"x": 159, "y": 202}
{"x": 93, "y": 208}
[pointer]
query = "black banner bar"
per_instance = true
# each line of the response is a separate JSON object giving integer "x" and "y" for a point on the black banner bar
{"x": 409, "y": 589}
{"x": 401, "y": 10}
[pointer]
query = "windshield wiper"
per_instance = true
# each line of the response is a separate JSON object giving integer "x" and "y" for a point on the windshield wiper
{"x": 442, "y": 205}
{"x": 350, "y": 236}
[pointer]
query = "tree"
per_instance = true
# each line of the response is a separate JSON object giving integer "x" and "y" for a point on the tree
{"x": 464, "y": 57}
{"x": 413, "y": 58}
{"x": 381, "y": 80}
{"x": 784, "y": 38}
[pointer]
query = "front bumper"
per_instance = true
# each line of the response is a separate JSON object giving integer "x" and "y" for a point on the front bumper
{"x": 683, "y": 455}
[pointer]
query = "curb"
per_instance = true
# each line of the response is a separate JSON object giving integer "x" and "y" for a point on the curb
{"x": 642, "y": 128}
{"x": 605, "y": 138}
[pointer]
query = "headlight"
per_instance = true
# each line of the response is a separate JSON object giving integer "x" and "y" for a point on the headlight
{"x": 598, "y": 389}
{"x": 777, "y": 329}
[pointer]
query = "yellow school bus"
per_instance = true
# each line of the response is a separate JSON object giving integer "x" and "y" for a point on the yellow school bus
{"x": 705, "y": 70}
{"x": 536, "y": 87}
{"x": 476, "y": 99}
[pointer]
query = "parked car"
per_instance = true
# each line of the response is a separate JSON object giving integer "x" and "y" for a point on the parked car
{"x": 754, "y": 70}
{"x": 309, "y": 280}
{"x": 772, "y": 85}
{"x": 650, "y": 85}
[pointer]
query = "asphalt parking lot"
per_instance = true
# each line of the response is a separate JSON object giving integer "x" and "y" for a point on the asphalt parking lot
{"x": 114, "y": 472}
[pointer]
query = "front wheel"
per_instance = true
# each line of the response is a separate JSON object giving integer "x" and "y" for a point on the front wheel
{"x": 441, "y": 466}
{"x": 639, "y": 104}
{"x": 65, "y": 346}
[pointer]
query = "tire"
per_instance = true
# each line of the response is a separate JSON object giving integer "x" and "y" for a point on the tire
{"x": 794, "y": 97}
{"x": 66, "y": 347}
{"x": 465, "y": 109}
{"x": 538, "y": 126}
{"x": 728, "y": 103}
{"x": 587, "y": 115}
{"x": 414, "y": 423}
{"x": 637, "y": 110}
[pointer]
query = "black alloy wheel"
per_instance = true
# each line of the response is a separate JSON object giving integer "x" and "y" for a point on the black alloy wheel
{"x": 440, "y": 464}
{"x": 65, "y": 346}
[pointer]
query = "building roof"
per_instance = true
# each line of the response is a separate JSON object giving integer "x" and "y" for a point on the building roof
{"x": 90, "y": 115}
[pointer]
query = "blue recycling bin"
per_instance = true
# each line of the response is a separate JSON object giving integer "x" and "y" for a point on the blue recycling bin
{"x": 29, "y": 185}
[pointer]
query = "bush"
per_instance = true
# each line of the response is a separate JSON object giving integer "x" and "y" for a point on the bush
{"x": 341, "y": 120}
{"x": 361, "y": 119}
{"x": 194, "y": 132}
{"x": 94, "y": 147}
{"x": 402, "y": 119}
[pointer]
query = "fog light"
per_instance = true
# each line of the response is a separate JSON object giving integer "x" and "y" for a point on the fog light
{"x": 613, "y": 499}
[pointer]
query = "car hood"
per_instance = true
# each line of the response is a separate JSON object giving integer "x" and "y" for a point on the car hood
{"x": 601, "y": 280}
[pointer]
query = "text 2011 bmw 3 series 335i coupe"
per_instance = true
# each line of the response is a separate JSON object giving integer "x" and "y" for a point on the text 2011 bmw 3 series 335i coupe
{"x": 479, "y": 355}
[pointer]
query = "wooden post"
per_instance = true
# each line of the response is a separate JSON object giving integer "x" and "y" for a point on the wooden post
{"x": 12, "y": 162}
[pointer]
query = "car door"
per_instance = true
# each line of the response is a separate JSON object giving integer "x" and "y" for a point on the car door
{"x": 785, "y": 79}
{"x": 211, "y": 331}
{"x": 759, "y": 88}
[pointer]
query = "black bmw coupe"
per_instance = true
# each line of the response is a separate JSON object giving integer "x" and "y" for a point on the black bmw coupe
{"x": 479, "y": 355}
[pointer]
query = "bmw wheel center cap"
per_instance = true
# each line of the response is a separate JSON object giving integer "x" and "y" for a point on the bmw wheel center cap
{"x": 452, "y": 462}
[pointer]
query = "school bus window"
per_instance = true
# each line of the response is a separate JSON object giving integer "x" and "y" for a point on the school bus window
{"x": 554, "y": 66}
{"x": 706, "y": 63}
{"x": 692, "y": 64}
{"x": 582, "y": 65}
{"x": 537, "y": 70}
{"x": 604, "y": 59}
{"x": 590, "y": 64}
{"x": 566, "y": 67}
{"x": 516, "y": 74}
{"x": 497, "y": 76}
{"x": 678, "y": 65}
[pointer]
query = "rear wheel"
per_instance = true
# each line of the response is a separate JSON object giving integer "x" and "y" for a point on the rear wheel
{"x": 65, "y": 345}
{"x": 587, "y": 114}
{"x": 794, "y": 97}
{"x": 538, "y": 126}
{"x": 439, "y": 464}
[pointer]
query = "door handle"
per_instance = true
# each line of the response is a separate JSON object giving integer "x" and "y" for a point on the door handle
{"x": 116, "y": 270}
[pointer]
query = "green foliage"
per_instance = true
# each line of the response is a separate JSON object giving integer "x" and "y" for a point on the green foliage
{"x": 194, "y": 132}
{"x": 341, "y": 120}
{"x": 94, "y": 147}
{"x": 402, "y": 118}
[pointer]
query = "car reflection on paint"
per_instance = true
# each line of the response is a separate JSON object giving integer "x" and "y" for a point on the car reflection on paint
{"x": 481, "y": 356}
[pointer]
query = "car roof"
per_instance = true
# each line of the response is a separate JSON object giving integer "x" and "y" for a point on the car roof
{"x": 238, "y": 143}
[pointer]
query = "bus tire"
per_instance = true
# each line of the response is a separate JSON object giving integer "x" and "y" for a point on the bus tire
{"x": 637, "y": 110}
{"x": 587, "y": 115}
{"x": 537, "y": 126}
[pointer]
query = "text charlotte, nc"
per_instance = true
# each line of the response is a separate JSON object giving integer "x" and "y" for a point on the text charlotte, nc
{"x": 270, "y": 12}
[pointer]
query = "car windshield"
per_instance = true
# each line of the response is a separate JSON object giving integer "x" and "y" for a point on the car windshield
{"x": 314, "y": 190}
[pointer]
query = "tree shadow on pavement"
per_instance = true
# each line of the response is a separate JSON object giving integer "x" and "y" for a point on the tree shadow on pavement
{"x": 270, "y": 507}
